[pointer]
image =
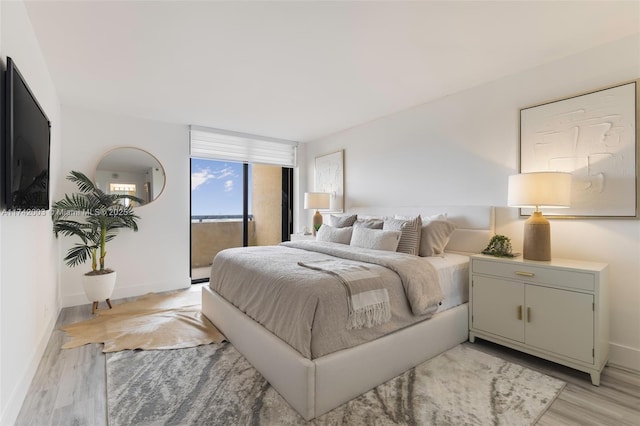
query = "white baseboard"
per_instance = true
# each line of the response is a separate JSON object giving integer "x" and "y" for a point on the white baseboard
{"x": 624, "y": 357}
{"x": 14, "y": 402}
{"x": 77, "y": 299}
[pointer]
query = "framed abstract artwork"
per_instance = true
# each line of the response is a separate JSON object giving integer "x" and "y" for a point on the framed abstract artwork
{"x": 329, "y": 178}
{"x": 594, "y": 136}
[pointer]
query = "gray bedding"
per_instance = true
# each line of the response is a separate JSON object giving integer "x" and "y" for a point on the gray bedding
{"x": 308, "y": 309}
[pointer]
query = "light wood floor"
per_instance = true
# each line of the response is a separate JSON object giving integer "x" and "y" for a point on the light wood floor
{"x": 69, "y": 387}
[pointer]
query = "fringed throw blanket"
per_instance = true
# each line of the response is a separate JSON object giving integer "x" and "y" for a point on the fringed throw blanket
{"x": 419, "y": 277}
{"x": 367, "y": 299}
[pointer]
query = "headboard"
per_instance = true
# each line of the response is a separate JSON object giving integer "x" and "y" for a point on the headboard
{"x": 475, "y": 225}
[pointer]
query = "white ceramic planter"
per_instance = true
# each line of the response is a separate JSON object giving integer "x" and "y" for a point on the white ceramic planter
{"x": 99, "y": 287}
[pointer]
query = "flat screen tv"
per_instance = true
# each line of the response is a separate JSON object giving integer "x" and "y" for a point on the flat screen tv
{"x": 27, "y": 141}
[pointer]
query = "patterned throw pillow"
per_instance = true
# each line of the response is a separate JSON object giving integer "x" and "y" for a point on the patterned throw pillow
{"x": 334, "y": 235}
{"x": 375, "y": 239}
{"x": 342, "y": 221}
{"x": 411, "y": 230}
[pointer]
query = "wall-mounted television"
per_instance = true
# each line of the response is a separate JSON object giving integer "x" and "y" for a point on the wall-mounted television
{"x": 27, "y": 140}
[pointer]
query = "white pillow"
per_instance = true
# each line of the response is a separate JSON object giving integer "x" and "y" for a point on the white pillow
{"x": 376, "y": 239}
{"x": 439, "y": 216}
{"x": 334, "y": 235}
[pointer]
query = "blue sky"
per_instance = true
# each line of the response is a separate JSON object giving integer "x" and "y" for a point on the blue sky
{"x": 216, "y": 187}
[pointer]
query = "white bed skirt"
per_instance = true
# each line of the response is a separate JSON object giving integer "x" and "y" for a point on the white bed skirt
{"x": 314, "y": 387}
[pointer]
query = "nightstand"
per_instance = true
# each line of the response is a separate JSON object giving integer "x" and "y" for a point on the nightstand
{"x": 556, "y": 310}
{"x": 302, "y": 237}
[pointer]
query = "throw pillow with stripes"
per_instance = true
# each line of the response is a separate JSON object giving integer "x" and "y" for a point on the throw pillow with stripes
{"x": 411, "y": 230}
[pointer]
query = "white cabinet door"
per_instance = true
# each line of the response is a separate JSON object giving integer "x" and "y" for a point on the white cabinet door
{"x": 560, "y": 321}
{"x": 497, "y": 307}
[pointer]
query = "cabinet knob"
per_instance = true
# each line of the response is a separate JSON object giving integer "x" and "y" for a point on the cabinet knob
{"x": 520, "y": 312}
{"x": 525, "y": 274}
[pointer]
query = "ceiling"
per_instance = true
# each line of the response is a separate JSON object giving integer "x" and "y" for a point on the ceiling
{"x": 302, "y": 70}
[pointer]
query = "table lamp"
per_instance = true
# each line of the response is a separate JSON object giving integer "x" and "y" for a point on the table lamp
{"x": 536, "y": 190}
{"x": 316, "y": 200}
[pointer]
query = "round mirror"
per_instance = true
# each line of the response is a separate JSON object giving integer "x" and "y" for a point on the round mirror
{"x": 131, "y": 171}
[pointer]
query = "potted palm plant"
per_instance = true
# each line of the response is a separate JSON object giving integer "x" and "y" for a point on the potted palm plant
{"x": 95, "y": 217}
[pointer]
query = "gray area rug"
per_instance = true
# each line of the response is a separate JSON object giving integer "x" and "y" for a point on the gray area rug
{"x": 215, "y": 385}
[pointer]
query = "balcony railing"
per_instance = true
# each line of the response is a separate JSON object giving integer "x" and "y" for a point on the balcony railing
{"x": 211, "y": 234}
{"x": 217, "y": 217}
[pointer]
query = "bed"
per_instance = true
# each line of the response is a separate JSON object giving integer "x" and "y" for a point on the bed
{"x": 315, "y": 381}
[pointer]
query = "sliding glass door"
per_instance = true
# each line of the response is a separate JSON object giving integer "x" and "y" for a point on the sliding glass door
{"x": 241, "y": 189}
{"x": 234, "y": 205}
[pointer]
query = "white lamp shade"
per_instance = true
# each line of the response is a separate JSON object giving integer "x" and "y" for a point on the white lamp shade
{"x": 540, "y": 189}
{"x": 317, "y": 200}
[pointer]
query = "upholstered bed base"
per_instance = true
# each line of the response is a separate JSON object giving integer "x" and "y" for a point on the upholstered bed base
{"x": 314, "y": 387}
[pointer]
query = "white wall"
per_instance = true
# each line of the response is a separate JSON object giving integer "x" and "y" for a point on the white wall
{"x": 29, "y": 299}
{"x": 460, "y": 150}
{"x": 156, "y": 258}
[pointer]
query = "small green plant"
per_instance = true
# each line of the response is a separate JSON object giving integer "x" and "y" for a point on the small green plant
{"x": 499, "y": 246}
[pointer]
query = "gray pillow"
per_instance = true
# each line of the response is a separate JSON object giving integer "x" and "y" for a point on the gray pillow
{"x": 342, "y": 221}
{"x": 376, "y": 239}
{"x": 334, "y": 235}
{"x": 369, "y": 223}
{"x": 411, "y": 230}
{"x": 435, "y": 236}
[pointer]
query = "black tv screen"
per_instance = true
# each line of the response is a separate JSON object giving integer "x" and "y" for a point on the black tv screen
{"x": 27, "y": 143}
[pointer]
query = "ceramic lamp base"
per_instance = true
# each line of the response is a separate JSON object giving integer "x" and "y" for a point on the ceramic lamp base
{"x": 537, "y": 238}
{"x": 317, "y": 222}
